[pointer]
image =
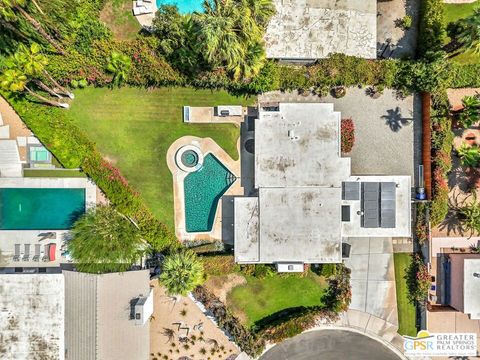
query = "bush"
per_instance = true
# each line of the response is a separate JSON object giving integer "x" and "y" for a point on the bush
{"x": 406, "y": 22}
{"x": 347, "y": 135}
{"x": 432, "y": 32}
{"x": 259, "y": 271}
{"x": 421, "y": 224}
{"x": 339, "y": 294}
{"x": 418, "y": 280}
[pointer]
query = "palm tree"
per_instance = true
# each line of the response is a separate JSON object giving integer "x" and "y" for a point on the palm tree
{"x": 471, "y": 111}
{"x": 181, "y": 273}
{"x": 469, "y": 35}
{"x": 470, "y": 215}
{"x": 252, "y": 63}
{"x": 103, "y": 240}
{"x": 470, "y": 155}
{"x": 34, "y": 63}
{"x": 9, "y": 10}
{"x": 119, "y": 65}
{"x": 219, "y": 33}
{"x": 15, "y": 81}
{"x": 262, "y": 10}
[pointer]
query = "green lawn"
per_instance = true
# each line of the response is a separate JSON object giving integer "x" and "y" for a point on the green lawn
{"x": 118, "y": 16}
{"x": 135, "y": 127}
{"x": 406, "y": 311}
{"x": 260, "y": 298}
{"x": 454, "y": 12}
{"x": 53, "y": 173}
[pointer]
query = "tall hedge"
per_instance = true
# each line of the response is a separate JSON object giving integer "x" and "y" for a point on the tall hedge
{"x": 431, "y": 36}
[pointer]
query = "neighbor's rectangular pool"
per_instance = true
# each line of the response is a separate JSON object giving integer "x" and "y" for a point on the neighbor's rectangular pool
{"x": 40, "y": 209}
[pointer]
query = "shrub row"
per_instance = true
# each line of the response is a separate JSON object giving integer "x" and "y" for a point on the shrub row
{"x": 421, "y": 224}
{"x": 432, "y": 32}
{"x": 442, "y": 142}
{"x": 73, "y": 150}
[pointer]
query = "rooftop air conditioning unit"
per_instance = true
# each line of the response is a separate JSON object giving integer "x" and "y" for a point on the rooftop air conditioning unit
{"x": 144, "y": 309}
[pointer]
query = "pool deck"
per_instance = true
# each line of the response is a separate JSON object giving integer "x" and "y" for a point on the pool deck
{"x": 206, "y": 145}
{"x": 8, "y": 238}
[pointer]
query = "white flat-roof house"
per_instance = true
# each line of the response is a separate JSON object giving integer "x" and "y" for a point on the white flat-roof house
{"x": 313, "y": 29}
{"x": 307, "y": 199}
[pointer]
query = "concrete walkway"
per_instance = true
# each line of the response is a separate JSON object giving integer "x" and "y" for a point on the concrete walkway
{"x": 373, "y": 278}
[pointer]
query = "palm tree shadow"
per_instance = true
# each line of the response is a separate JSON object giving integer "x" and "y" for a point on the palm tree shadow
{"x": 453, "y": 222}
{"x": 395, "y": 120}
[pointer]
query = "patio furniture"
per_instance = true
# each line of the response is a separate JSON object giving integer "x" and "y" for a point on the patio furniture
{"x": 1, "y": 120}
{"x": 16, "y": 252}
{"x": 139, "y": 3}
{"x": 5, "y": 132}
{"x": 52, "y": 251}
{"x": 141, "y": 10}
{"x": 45, "y": 252}
{"x": 36, "y": 256}
{"x": 26, "y": 255}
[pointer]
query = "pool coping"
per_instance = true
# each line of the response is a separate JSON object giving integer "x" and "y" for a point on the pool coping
{"x": 206, "y": 146}
{"x": 10, "y": 237}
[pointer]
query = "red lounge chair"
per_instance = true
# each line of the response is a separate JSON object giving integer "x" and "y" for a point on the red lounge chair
{"x": 51, "y": 251}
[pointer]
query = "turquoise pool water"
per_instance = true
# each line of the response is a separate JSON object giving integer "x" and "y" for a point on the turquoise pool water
{"x": 203, "y": 189}
{"x": 184, "y": 6}
{"x": 40, "y": 209}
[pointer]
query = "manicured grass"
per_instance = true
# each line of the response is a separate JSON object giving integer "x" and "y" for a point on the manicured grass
{"x": 406, "y": 311}
{"x": 118, "y": 16}
{"x": 53, "y": 173}
{"x": 260, "y": 298}
{"x": 453, "y": 13}
{"x": 135, "y": 127}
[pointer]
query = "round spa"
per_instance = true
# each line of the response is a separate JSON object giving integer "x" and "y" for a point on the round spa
{"x": 189, "y": 158}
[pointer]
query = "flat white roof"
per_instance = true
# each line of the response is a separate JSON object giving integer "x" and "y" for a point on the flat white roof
{"x": 471, "y": 288}
{"x": 299, "y": 145}
{"x": 32, "y": 316}
{"x": 311, "y": 29}
{"x": 246, "y": 229}
{"x": 300, "y": 225}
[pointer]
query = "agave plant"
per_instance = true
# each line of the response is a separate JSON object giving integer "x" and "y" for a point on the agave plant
{"x": 471, "y": 111}
{"x": 470, "y": 215}
{"x": 470, "y": 155}
{"x": 181, "y": 272}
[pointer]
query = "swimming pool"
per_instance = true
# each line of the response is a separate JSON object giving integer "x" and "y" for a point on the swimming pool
{"x": 40, "y": 209}
{"x": 203, "y": 189}
{"x": 184, "y": 6}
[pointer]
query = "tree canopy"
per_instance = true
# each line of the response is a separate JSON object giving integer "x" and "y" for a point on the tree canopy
{"x": 181, "y": 272}
{"x": 104, "y": 240}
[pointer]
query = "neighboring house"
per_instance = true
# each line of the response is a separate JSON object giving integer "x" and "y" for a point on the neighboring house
{"x": 307, "y": 199}
{"x": 310, "y": 29}
{"x": 74, "y": 315}
{"x": 463, "y": 276}
{"x": 32, "y": 316}
{"x": 107, "y": 317}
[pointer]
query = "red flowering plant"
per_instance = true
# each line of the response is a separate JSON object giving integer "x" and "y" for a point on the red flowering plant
{"x": 418, "y": 280}
{"x": 347, "y": 135}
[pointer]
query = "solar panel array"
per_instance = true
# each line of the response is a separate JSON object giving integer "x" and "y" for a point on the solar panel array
{"x": 378, "y": 204}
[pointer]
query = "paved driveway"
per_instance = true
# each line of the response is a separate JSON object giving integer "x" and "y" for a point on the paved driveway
{"x": 330, "y": 345}
{"x": 373, "y": 277}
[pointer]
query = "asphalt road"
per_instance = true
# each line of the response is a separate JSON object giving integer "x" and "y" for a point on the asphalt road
{"x": 330, "y": 345}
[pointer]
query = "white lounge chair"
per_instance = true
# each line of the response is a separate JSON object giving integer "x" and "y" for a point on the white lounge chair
{"x": 139, "y": 3}
{"x": 26, "y": 255}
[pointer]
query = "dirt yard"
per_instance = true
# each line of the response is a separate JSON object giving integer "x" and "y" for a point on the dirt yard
{"x": 179, "y": 330}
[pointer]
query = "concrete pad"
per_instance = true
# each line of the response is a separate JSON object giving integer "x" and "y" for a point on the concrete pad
{"x": 359, "y": 295}
{"x": 360, "y": 265}
{"x": 359, "y": 245}
{"x": 381, "y": 328}
{"x": 380, "y": 267}
{"x": 380, "y": 245}
{"x": 382, "y": 300}
{"x": 358, "y": 319}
